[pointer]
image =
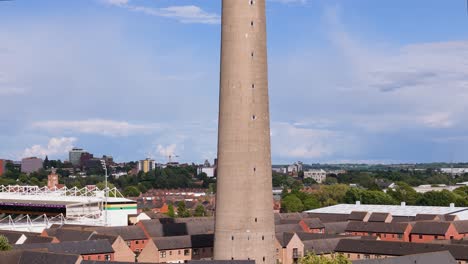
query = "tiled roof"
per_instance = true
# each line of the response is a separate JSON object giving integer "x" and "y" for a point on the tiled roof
{"x": 288, "y": 228}
{"x": 87, "y": 247}
{"x": 357, "y": 215}
{"x": 461, "y": 226}
{"x": 425, "y": 258}
{"x": 398, "y": 248}
{"x": 335, "y": 227}
{"x": 313, "y": 223}
{"x": 175, "y": 242}
{"x": 377, "y": 227}
{"x": 378, "y": 217}
{"x": 284, "y": 238}
{"x": 430, "y": 228}
{"x": 126, "y": 232}
{"x": 326, "y": 217}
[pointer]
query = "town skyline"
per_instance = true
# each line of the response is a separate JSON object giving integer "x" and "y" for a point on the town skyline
{"x": 362, "y": 83}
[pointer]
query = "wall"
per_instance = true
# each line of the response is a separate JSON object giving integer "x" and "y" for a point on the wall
{"x": 122, "y": 251}
{"x": 100, "y": 257}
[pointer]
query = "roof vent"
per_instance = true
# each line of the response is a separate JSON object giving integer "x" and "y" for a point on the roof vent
{"x": 452, "y": 205}
{"x": 358, "y": 202}
{"x": 403, "y": 204}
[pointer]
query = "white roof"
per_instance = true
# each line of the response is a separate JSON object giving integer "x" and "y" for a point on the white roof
{"x": 397, "y": 210}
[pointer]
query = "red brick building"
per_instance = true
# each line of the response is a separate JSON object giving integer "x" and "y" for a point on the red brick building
{"x": 382, "y": 230}
{"x": 424, "y": 232}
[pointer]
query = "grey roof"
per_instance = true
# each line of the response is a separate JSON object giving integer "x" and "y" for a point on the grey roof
{"x": 126, "y": 232}
{"x": 357, "y": 216}
{"x": 323, "y": 246}
{"x": 378, "y": 217}
{"x": 68, "y": 234}
{"x": 37, "y": 239}
{"x": 398, "y": 218}
{"x": 284, "y": 238}
{"x": 391, "y": 248}
{"x": 328, "y": 217}
{"x": 426, "y": 217}
{"x": 221, "y": 262}
{"x": 110, "y": 238}
{"x": 377, "y": 227}
{"x": 335, "y": 227}
{"x": 461, "y": 226}
{"x": 202, "y": 240}
{"x": 175, "y": 242}
{"x": 12, "y": 236}
{"x": 288, "y": 228}
{"x": 36, "y": 257}
{"x": 304, "y": 236}
{"x": 424, "y": 258}
{"x": 313, "y": 223}
{"x": 87, "y": 247}
{"x": 430, "y": 228}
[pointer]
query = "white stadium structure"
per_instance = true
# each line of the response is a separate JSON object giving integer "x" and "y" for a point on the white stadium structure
{"x": 32, "y": 208}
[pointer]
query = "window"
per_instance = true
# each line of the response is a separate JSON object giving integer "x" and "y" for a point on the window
{"x": 263, "y": 237}
{"x": 253, "y": 85}
{"x": 186, "y": 252}
{"x": 128, "y": 243}
{"x": 420, "y": 236}
{"x": 400, "y": 236}
{"x": 232, "y": 237}
{"x": 170, "y": 252}
{"x": 358, "y": 256}
{"x": 195, "y": 252}
{"x": 99, "y": 257}
{"x": 263, "y": 259}
{"x": 162, "y": 254}
{"x": 254, "y": 117}
{"x": 367, "y": 256}
{"x": 136, "y": 242}
{"x": 255, "y": 220}
{"x": 251, "y": 2}
{"x": 107, "y": 257}
{"x": 251, "y": 23}
{"x": 179, "y": 252}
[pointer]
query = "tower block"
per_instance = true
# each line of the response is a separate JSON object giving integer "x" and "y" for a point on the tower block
{"x": 244, "y": 208}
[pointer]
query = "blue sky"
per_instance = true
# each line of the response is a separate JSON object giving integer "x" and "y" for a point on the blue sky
{"x": 350, "y": 81}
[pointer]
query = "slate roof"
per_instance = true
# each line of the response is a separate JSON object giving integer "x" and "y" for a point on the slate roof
{"x": 175, "y": 242}
{"x": 377, "y": 227}
{"x": 34, "y": 257}
{"x": 461, "y": 226}
{"x": 425, "y": 258}
{"x": 430, "y": 228}
{"x": 313, "y": 223}
{"x": 327, "y": 217}
{"x": 288, "y": 228}
{"x": 110, "y": 238}
{"x": 126, "y": 232}
{"x": 399, "y": 219}
{"x": 12, "y": 237}
{"x": 378, "y": 217}
{"x": 322, "y": 246}
{"x": 88, "y": 247}
{"x": 426, "y": 217}
{"x": 68, "y": 234}
{"x": 284, "y": 238}
{"x": 357, "y": 216}
{"x": 221, "y": 262}
{"x": 304, "y": 236}
{"x": 202, "y": 240}
{"x": 38, "y": 239}
{"x": 335, "y": 227}
{"x": 390, "y": 248}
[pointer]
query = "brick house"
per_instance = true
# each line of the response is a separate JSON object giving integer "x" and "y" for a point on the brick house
{"x": 312, "y": 225}
{"x": 366, "y": 249}
{"x": 134, "y": 236}
{"x": 428, "y": 231}
{"x": 382, "y": 230}
{"x": 121, "y": 251}
{"x": 289, "y": 248}
{"x": 461, "y": 227}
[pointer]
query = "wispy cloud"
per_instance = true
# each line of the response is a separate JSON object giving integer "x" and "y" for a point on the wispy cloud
{"x": 185, "y": 13}
{"x": 97, "y": 126}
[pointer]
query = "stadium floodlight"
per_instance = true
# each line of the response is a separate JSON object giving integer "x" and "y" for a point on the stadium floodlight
{"x": 106, "y": 191}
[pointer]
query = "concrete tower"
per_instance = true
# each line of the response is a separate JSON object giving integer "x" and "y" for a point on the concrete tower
{"x": 244, "y": 209}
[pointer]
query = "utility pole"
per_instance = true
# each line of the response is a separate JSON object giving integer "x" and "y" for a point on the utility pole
{"x": 106, "y": 191}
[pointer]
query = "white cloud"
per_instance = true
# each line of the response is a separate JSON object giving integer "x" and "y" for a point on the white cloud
{"x": 56, "y": 146}
{"x": 166, "y": 151}
{"x": 438, "y": 120}
{"x": 184, "y": 14}
{"x": 97, "y": 126}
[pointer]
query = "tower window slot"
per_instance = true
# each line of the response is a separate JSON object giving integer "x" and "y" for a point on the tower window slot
{"x": 252, "y": 2}
{"x": 256, "y": 220}
{"x": 254, "y": 117}
{"x": 253, "y": 85}
{"x": 263, "y": 237}
{"x": 232, "y": 238}
{"x": 263, "y": 259}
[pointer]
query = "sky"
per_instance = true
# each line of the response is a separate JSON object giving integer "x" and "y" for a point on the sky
{"x": 350, "y": 81}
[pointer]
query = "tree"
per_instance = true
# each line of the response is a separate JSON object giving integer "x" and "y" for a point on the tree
{"x": 333, "y": 259}
{"x": 182, "y": 210}
{"x": 131, "y": 191}
{"x": 199, "y": 211}
{"x": 45, "y": 164}
{"x": 310, "y": 203}
{"x": 330, "y": 181}
{"x": 291, "y": 204}
{"x": 170, "y": 211}
{"x": 309, "y": 181}
{"x": 435, "y": 198}
{"x": 4, "y": 243}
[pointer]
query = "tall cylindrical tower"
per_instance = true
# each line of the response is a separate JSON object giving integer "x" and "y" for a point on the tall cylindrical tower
{"x": 244, "y": 210}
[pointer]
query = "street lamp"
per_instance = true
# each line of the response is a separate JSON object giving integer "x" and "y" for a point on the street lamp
{"x": 106, "y": 192}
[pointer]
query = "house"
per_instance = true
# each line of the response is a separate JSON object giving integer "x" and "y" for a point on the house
{"x": 424, "y": 258}
{"x": 121, "y": 250}
{"x": 428, "y": 231}
{"x": 14, "y": 238}
{"x": 382, "y": 230}
{"x": 289, "y": 248}
{"x": 317, "y": 175}
{"x": 367, "y": 249}
{"x": 178, "y": 249}
{"x": 88, "y": 250}
{"x": 134, "y": 237}
{"x": 325, "y": 246}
